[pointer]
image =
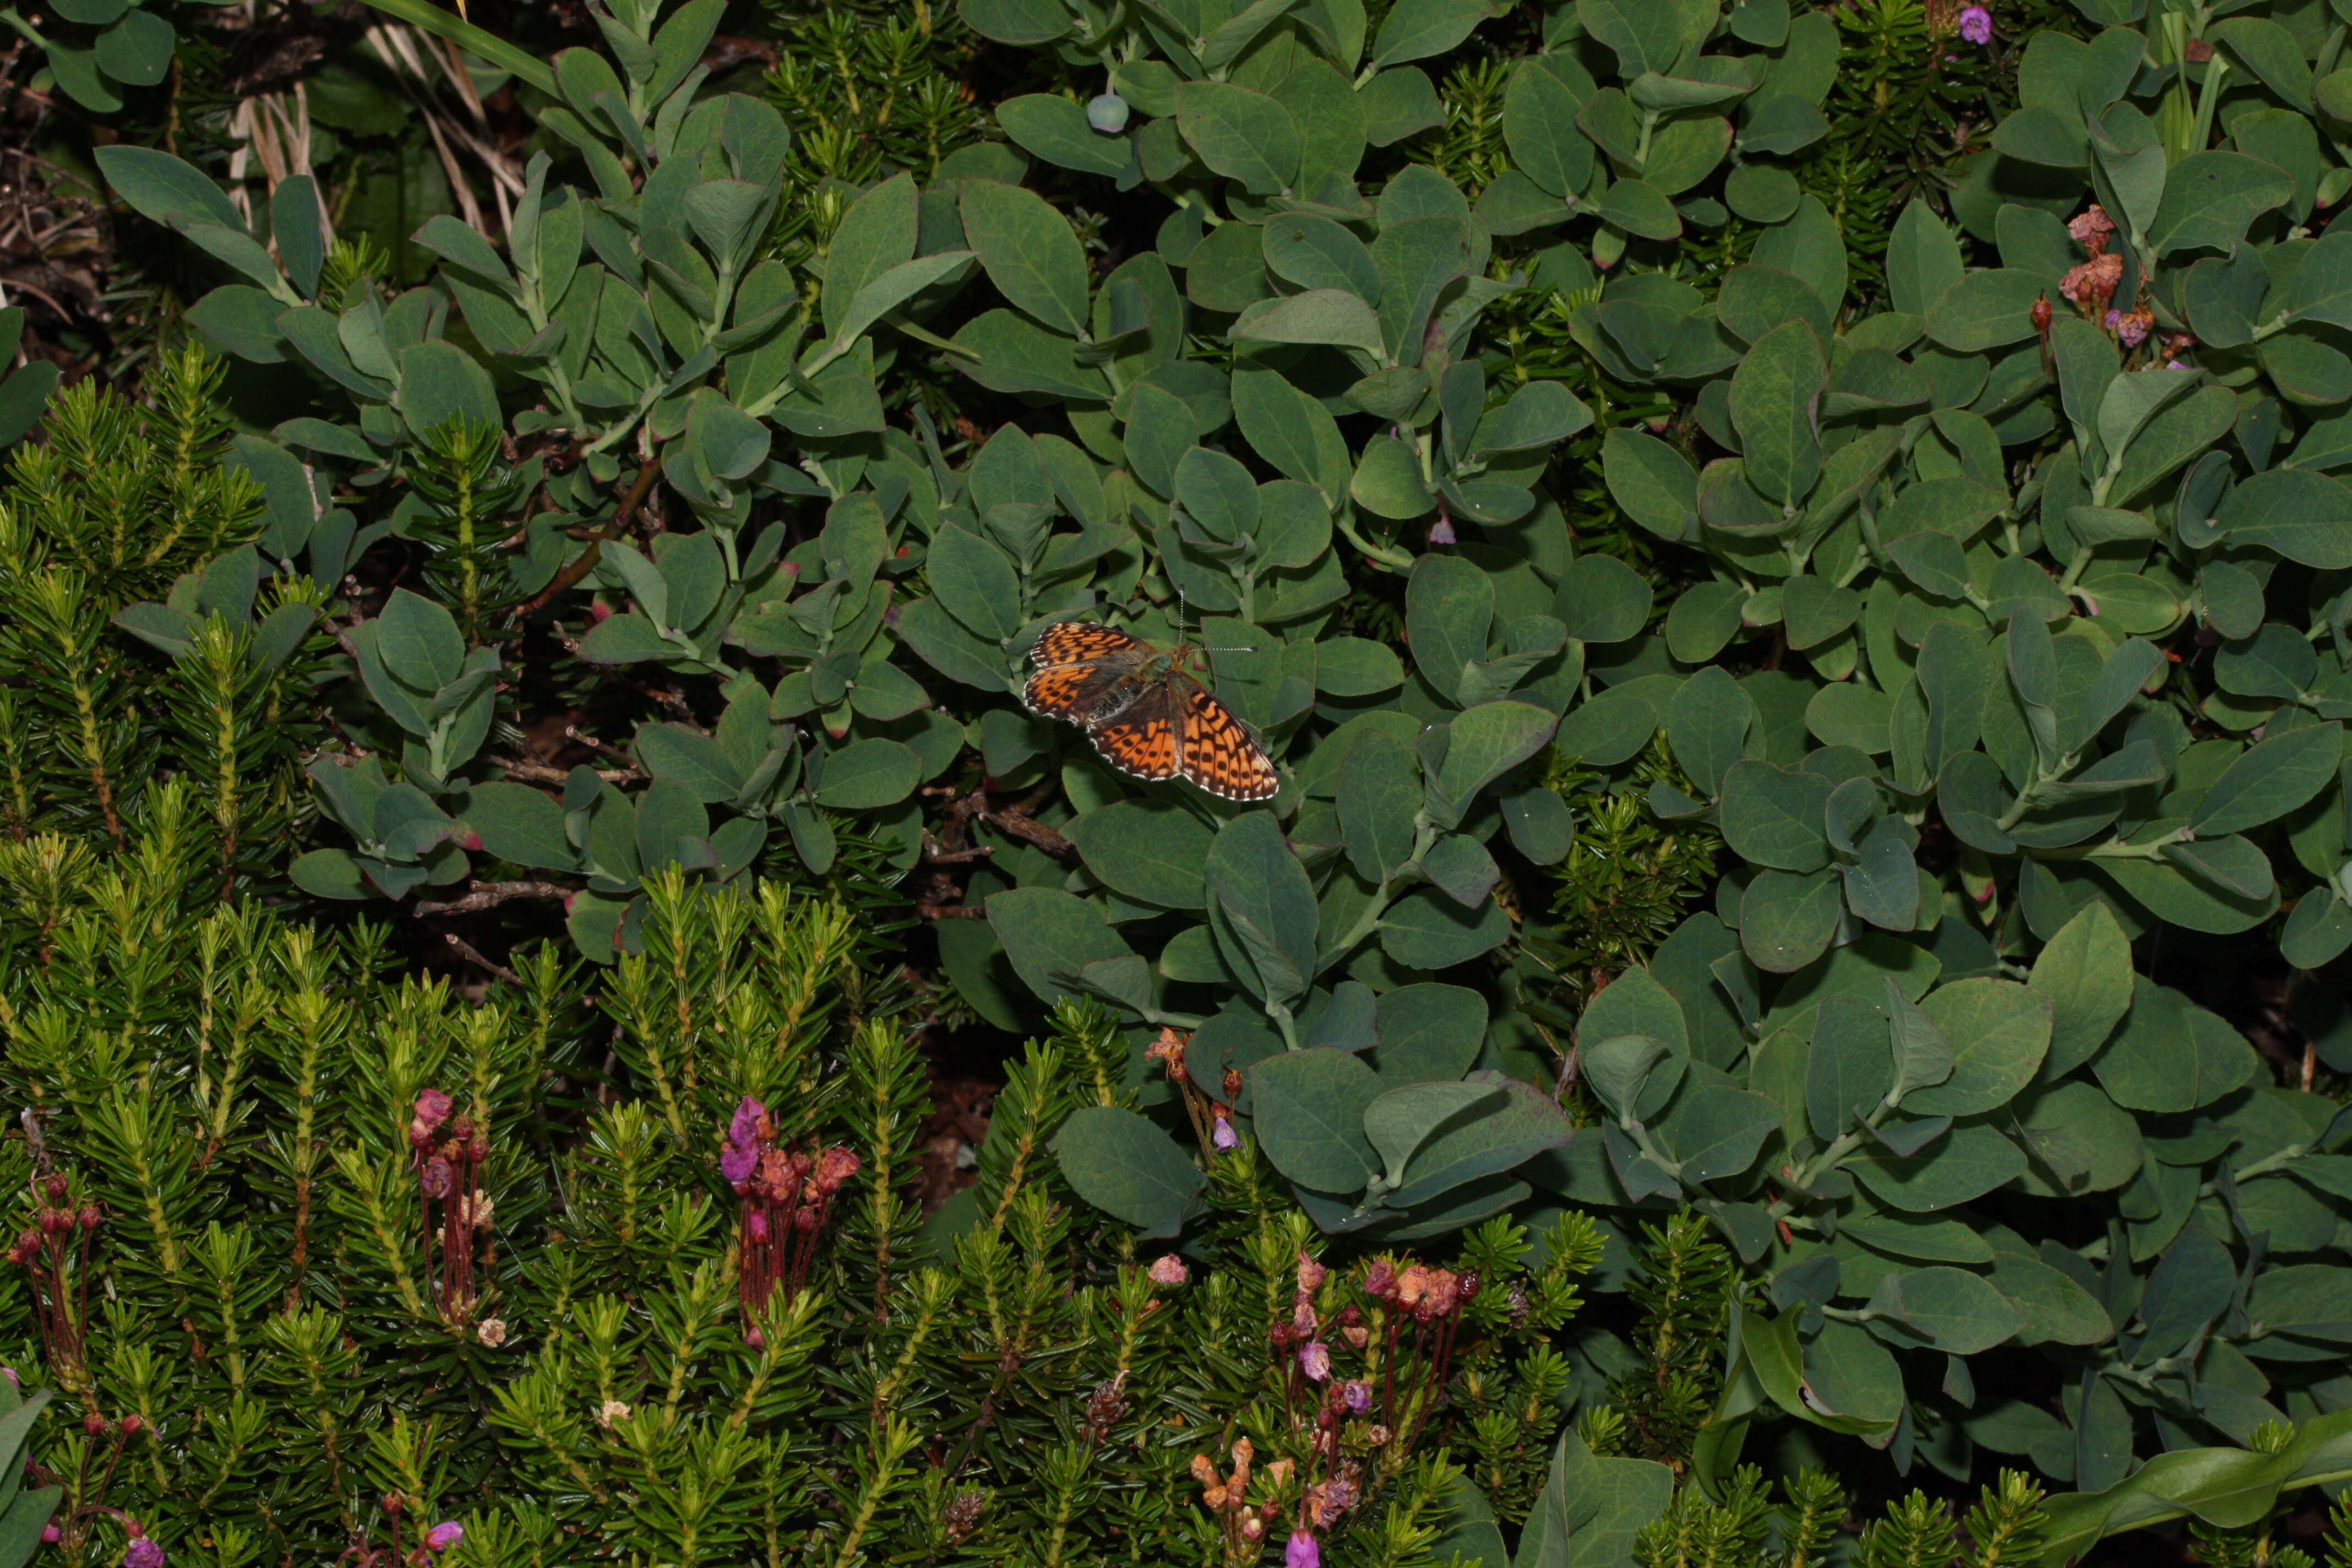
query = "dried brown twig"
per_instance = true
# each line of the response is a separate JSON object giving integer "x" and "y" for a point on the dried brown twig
{"x": 952, "y": 845}
{"x": 491, "y": 895}
{"x": 524, "y": 771}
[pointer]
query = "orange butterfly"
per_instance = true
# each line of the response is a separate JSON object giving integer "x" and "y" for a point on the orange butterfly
{"x": 1143, "y": 712}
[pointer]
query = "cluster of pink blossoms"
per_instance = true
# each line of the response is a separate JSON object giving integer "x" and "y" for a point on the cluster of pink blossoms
{"x": 1420, "y": 1311}
{"x": 1212, "y": 1119}
{"x": 54, "y": 1250}
{"x": 1227, "y": 1496}
{"x": 786, "y": 1199}
{"x": 2092, "y": 285}
{"x": 448, "y": 1155}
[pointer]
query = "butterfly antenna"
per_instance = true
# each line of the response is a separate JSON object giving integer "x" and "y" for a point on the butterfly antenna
{"x": 1180, "y": 607}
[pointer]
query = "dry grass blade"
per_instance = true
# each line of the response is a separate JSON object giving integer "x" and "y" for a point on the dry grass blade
{"x": 274, "y": 129}
{"x": 405, "y": 51}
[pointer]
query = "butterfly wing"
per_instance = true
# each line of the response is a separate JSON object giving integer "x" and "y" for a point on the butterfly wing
{"x": 1142, "y": 738}
{"x": 1072, "y": 693}
{"x": 1080, "y": 642}
{"x": 1151, "y": 727}
{"x": 1083, "y": 672}
{"x": 1216, "y": 749}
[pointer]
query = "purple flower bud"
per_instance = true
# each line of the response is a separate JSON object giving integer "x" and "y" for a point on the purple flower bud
{"x": 1359, "y": 1395}
{"x": 1107, "y": 113}
{"x": 737, "y": 1164}
{"x": 743, "y": 1131}
{"x": 1315, "y": 1360}
{"x": 143, "y": 1553}
{"x": 445, "y": 1535}
{"x": 1224, "y": 1137}
{"x": 1441, "y": 530}
{"x": 1302, "y": 1553}
{"x": 1975, "y": 24}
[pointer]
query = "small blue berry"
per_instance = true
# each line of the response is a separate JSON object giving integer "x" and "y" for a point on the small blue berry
{"x": 1107, "y": 114}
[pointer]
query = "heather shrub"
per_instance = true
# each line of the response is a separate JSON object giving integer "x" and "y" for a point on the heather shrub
{"x": 1641, "y": 705}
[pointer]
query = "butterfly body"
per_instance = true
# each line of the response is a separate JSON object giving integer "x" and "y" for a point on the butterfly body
{"x": 1144, "y": 710}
